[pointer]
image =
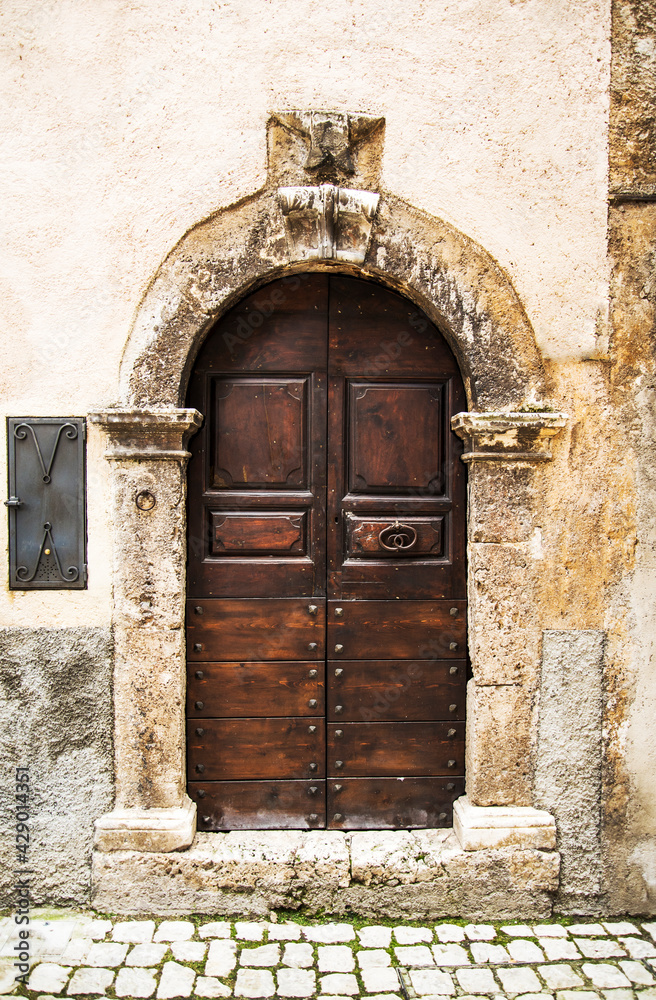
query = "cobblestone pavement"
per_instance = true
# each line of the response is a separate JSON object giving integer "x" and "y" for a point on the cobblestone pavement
{"x": 84, "y": 955}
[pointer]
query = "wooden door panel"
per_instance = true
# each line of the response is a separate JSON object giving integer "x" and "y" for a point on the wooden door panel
{"x": 260, "y": 629}
{"x": 243, "y": 749}
{"x": 326, "y": 466}
{"x": 260, "y": 436}
{"x": 382, "y": 537}
{"x": 408, "y": 578}
{"x": 396, "y": 629}
{"x": 388, "y": 749}
{"x": 262, "y": 533}
{"x": 257, "y": 482}
{"x": 260, "y": 805}
{"x": 396, "y": 691}
{"x": 260, "y": 381}
{"x": 374, "y": 332}
{"x": 393, "y": 387}
{"x": 256, "y": 689}
{"x": 391, "y": 803}
{"x": 279, "y": 328}
{"x": 395, "y": 433}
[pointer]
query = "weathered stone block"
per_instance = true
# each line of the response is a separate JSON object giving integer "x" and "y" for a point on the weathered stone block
{"x": 146, "y": 829}
{"x": 498, "y": 754}
{"x": 437, "y": 879}
{"x": 480, "y": 827}
{"x": 504, "y": 633}
{"x": 501, "y": 502}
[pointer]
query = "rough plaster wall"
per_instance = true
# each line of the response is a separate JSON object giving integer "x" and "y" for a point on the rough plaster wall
{"x": 630, "y": 736}
{"x": 55, "y": 718}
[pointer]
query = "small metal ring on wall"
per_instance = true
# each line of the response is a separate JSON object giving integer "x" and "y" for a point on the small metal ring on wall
{"x": 145, "y": 500}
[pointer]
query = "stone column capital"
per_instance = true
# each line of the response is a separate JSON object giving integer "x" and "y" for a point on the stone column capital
{"x": 151, "y": 435}
{"x": 509, "y": 436}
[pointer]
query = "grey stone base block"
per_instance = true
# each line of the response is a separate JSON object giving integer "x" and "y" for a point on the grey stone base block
{"x": 418, "y": 874}
{"x": 56, "y": 720}
{"x": 146, "y": 829}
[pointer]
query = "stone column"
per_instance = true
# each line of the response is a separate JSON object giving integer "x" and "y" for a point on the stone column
{"x": 504, "y": 631}
{"x": 147, "y": 451}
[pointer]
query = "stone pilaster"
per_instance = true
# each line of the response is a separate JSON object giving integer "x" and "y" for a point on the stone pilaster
{"x": 502, "y": 451}
{"x": 147, "y": 450}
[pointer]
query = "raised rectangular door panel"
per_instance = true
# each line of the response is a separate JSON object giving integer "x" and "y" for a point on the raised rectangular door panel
{"x": 261, "y": 430}
{"x": 396, "y": 629}
{"x": 260, "y": 805}
{"x": 256, "y": 689}
{"x": 396, "y": 500}
{"x": 242, "y": 749}
{"x": 261, "y": 533}
{"x": 260, "y": 629}
{"x": 395, "y": 433}
{"x": 378, "y": 537}
{"x": 258, "y": 475}
{"x": 396, "y": 690}
{"x": 389, "y": 749}
{"x": 391, "y": 803}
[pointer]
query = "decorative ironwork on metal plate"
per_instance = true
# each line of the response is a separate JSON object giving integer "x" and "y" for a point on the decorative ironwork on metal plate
{"x": 47, "y": 515}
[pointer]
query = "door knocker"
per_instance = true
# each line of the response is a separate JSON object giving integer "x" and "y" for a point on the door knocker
{"x": 397, "y": 537}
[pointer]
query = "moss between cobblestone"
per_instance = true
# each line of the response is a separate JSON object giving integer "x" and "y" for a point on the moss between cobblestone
{"x": 355, "y": 946}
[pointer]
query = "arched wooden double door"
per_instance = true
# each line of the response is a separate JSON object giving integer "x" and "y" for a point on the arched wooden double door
{"x": 326, "y": 621}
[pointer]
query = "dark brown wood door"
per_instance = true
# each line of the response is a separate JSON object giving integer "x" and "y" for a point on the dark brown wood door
{"x": 326, "y": 573}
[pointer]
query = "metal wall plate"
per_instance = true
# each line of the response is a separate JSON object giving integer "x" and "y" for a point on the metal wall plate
{"x": 47, "y": 510}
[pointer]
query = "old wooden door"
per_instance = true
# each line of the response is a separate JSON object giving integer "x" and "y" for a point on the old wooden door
{"x": 326, "y": 623}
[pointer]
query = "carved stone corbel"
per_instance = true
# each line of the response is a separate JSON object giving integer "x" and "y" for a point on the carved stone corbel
{"x": 507, "y": 437}
{"x": 332, "y": 135}
{"x": 328, "y": 222}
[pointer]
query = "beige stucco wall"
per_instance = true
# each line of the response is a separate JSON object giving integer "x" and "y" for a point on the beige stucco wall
{"x": 126, "y": 123}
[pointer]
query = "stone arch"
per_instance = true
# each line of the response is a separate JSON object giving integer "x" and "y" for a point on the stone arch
{"x": 455, "y": 281}
{"x": 472, "y": 301}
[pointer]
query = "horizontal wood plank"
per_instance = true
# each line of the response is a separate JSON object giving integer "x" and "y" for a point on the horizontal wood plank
{"x": 255, "y": 690}
{"x": 397, "y": 629}
{"x": 244, "y": 749}
{"x": 391, "y": 749}
{"x": 259, "y": 805}
{"x": 396, "y": 690}
{"x": 391, "y": 803}
{"x": 255, "y": 629}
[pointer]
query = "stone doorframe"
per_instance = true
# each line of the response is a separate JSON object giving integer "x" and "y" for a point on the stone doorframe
{"x": 506, "y": 434}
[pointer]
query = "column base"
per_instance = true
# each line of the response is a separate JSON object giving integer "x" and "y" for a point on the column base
{"x": 480, "y": 828}
{"x": 158, "y": 830}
